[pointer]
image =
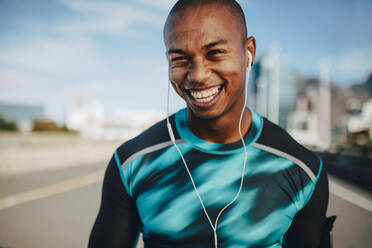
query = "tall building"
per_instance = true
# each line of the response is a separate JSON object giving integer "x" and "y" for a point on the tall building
{"x": 273, "y": 88}
{"x": 324, "y": 109}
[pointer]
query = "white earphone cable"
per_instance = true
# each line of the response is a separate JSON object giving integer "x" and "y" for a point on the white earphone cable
{"x": 169, "y": 126}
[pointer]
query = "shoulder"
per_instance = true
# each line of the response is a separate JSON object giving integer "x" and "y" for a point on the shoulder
{"x": 154, "y": 138}
{"x": 276, "y": 140}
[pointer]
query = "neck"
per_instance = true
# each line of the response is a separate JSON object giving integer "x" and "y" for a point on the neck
{"x": 221, "y": 130}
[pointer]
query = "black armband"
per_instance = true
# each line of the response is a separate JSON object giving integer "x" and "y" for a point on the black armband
{"x": 326, "y": 241}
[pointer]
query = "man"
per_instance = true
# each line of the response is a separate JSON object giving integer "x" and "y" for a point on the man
{"x": 173, "y": 192}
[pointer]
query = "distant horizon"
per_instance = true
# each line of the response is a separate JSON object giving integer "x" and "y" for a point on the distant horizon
{"x": 60, "y": 121}
{"x": 113, "y": 51}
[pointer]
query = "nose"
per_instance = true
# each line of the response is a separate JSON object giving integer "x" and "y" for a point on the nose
{"x": 198, "y": 72}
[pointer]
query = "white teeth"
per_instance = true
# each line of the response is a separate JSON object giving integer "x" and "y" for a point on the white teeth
{"x": 205, "y": 95}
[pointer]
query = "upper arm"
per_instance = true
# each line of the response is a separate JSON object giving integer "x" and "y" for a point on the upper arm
{"x": 307, "y": 226}
{"x": 117, "y": 223}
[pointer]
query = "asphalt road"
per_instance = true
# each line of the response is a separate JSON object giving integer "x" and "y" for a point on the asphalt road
{"x": 64, "y": 215}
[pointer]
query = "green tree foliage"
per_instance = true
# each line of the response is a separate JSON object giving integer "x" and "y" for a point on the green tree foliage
{"x": 7, "y": 125}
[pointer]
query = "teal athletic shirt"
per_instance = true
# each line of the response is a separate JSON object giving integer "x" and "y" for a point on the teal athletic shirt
{"x": 155, "y": 195}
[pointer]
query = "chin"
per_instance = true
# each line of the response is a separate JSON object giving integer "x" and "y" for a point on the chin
{"x": 205, "y": 114}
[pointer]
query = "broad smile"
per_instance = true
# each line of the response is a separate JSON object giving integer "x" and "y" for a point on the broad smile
{"x": 206, "y": 97}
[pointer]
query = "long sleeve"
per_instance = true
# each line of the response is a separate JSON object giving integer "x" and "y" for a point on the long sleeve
{"x": 117, "y": 223}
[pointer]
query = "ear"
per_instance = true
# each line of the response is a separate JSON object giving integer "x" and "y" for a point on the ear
{"x": 250, "y": 47}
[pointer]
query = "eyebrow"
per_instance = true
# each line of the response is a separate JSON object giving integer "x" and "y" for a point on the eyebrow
{"x": 180, "y": 51}
{"x": 214, "y": 43}
{"x": 207, "y": 46}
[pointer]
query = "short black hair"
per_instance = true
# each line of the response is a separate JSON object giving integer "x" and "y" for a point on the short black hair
{"x": 234, "y": 7}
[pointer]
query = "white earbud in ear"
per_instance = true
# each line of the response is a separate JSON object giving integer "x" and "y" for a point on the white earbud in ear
{"x": 249, "y": 60}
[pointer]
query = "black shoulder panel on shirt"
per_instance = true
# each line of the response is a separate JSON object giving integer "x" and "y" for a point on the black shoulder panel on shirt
{"x": 156, "y": 134}
{"x": 275, "y": 137}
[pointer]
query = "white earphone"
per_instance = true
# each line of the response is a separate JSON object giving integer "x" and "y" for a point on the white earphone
{"x": 249, "y": 61}
{"x": 171, "y": 135}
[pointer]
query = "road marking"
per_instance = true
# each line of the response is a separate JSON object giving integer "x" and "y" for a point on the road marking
{"x": 97, "y": 176}
{"x": 350, "y": 196}
{"x": 53, "y": 189}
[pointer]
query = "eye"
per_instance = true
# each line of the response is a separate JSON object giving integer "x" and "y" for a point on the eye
{"x": 178, "y": 61}
{"x": 215, "y": 53}
{"x": 179, "y": 58}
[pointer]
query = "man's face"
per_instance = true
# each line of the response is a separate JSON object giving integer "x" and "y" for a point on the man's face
{"x": 207, "y": 60}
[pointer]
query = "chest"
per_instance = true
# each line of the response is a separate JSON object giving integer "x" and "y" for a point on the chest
{"x": 170, "y": 210}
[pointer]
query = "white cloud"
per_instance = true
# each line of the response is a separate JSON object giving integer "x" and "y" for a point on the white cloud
{"x": 49, "y": 67}
{"x": 108, "y": 18}
{"x": 52, "y": 57}
{"x": 355, "y": 64}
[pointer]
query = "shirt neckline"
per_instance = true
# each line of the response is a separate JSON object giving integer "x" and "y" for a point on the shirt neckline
{"x": 187, "y": 135}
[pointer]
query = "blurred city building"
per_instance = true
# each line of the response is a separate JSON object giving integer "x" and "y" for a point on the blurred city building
{"x": 324, "y": 106}
{"x": 22, "y": 114}
{"x": 303, "y": 123}
{"x": 127, "y": 123}
{"x": 304, "y": 110}
{"x": 362, "y": 120}
{"x": 311, "y": 122}
{"x": 342, "y": 111}
{"x": 87, "y": 120}
{"x": 90, "y": 121}
{"x": 273, "y": 88}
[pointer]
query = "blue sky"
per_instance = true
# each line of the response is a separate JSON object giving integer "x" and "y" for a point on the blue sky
{"x": 112, "y": 51}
